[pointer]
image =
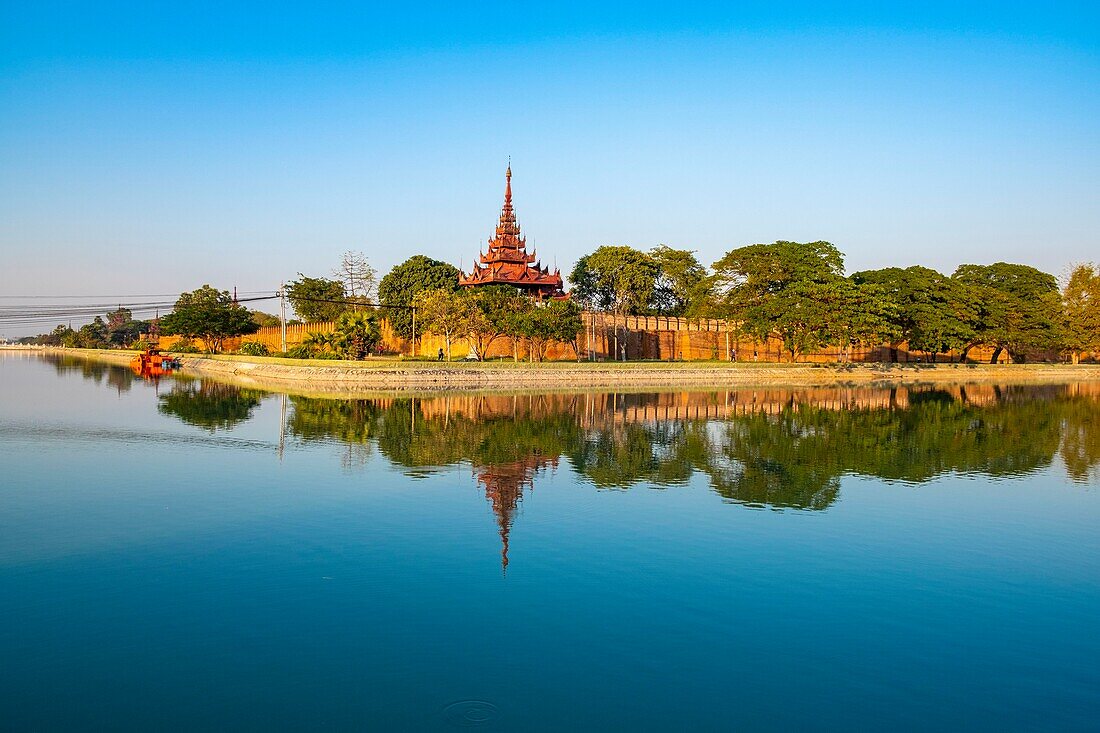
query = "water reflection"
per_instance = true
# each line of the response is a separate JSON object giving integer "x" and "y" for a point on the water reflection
{"x": 770, "y": 448}
{"x": 765, "y": 448}
{"x": 121, "y": 380}
{"x": 209, "y": 405}
{"x": 778, "y": 449}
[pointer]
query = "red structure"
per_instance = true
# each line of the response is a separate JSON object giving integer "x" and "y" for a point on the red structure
{"x": 507, "y": 261}
{"x": 504, "y": 484}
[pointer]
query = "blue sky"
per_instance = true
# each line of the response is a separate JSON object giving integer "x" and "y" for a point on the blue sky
{"x": 149, "y": 148}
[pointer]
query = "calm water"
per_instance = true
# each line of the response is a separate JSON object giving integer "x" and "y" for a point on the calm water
{"x": 190, "y": 555}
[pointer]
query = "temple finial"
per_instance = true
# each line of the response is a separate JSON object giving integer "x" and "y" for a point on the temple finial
{"x": 508, "y": 183}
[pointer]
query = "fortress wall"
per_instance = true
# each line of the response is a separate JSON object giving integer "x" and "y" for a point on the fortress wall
{"x": 663, "y": 338}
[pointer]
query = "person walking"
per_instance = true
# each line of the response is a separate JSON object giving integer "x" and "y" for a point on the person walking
{"x": 440, "y": 353}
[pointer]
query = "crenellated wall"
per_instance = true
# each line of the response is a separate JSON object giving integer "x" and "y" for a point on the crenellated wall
{"x": 663, "y": 338}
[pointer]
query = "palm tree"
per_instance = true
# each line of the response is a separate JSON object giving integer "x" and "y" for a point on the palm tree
{"x": 322, "y": 342}
{"x": 357, "y": 332}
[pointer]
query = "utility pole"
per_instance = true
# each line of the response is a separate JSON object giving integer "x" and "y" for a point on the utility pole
{"x": 282, "y": 315}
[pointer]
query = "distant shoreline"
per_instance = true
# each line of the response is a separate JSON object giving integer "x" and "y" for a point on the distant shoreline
{"x": 337, "y": 377}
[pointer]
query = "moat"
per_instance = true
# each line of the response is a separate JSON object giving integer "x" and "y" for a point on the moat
{"x": 194, "y": 554}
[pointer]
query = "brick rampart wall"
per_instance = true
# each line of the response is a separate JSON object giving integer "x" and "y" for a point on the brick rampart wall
{"x": 640, "y": 337}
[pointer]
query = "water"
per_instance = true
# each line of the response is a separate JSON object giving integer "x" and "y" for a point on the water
{"x": 192, "y": 555}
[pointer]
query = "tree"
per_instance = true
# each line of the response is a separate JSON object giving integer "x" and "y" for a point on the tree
{"x": 359, "y": 279}
{"x": 762, "y": 269}
{"x": 402, "y": 283}
{"x": 209, "y": 314}
{"x": 92, "y": 335}
{"x": 491, "y": 315}
{"x": 619, "y": 280}
{"x": 317, "y": 298}
{"x": 357, "y": 333}
{"x": 121, "y": 328}
{"x": 444, "y": 312}
{"x": 931, "y": 311}
{"x": 317, "y": 345}
{"x": 515, "y": 323}
{"x": 265, "y": 320}
{"x": 554, "y": 320}
{"x": 794, "y": 291}
{"x": 806, "y": 316}
{"x": 1019, "y": 307}
{"x": 1081, "y": 308}
{"x": 681, "y": 281}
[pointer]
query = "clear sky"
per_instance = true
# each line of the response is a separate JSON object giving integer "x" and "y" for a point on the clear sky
{"x": 153, "y": 147}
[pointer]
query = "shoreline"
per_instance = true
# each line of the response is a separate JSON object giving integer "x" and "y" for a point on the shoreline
{"x": 345, "y": 378}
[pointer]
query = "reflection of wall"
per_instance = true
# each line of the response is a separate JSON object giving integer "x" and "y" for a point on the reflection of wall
{"x": 600, "y": 407}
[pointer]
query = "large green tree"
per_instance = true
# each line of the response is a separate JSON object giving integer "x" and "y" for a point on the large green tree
{"x": 446, "y": 313}
{"x": 398, "y": 288}
{"x": 797, "y": 293}
{"x": 930, "y": 311}
{"x": 92, "y": 335}
{"x": 316, "y": 298}
{"x": 617, "y": 280}
{"x": 209, "y": 314}
{"x": 121, "y": 328}
{"x": 1081, "y": 308}
{"x": 681, "y": 281}
{"x": 492, "y": 315}
{"x": 554, "y": 320}
{"x": 1019, "y": 307}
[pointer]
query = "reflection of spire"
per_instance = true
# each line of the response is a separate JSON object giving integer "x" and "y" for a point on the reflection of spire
{"x": 504, "y": 484}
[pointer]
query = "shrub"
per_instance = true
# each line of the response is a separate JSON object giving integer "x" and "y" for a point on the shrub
{"x": 311, "y": 351}
{"x": 184, "y": 346}
{"x": 140, "y": 345}
{"x": 253, "y": 348}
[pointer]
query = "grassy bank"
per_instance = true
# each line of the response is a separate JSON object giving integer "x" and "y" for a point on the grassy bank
{"x": 373, "y": 375}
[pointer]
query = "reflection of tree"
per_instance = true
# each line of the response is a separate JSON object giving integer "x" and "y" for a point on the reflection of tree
{"x": 781, "y": 453}
{"x": 91, "y": 370}
{"x": 791, "y": 454}
{"x": 351, "y": 422}
{"x": 209, "y": 405}
{"x": 1080, "y": 449}
{"x": 119, "y": 378}
{"x": 773, "y": 460}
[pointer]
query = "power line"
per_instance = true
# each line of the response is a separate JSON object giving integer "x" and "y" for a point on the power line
{"x": 352, "y": 303}
{"x": 30, "y": 316}
{"x": 117, "y": 297}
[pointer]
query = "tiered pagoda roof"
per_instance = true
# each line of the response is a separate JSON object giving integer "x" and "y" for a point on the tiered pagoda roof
{"x": 507, "y": 262}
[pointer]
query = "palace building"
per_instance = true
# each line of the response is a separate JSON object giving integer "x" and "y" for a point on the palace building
{"x": 508, "y": 263}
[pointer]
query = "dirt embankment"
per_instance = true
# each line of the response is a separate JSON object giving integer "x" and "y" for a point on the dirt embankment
{"x": 352, "y": 377}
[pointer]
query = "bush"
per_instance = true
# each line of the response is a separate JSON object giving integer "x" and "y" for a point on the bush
{"x": 184, "y": 346}
{"x": 140, "y": 345}
{"x": 301, "y": 351}
{"x": 253, "y": 348}
{"x": 311, "y": 351}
